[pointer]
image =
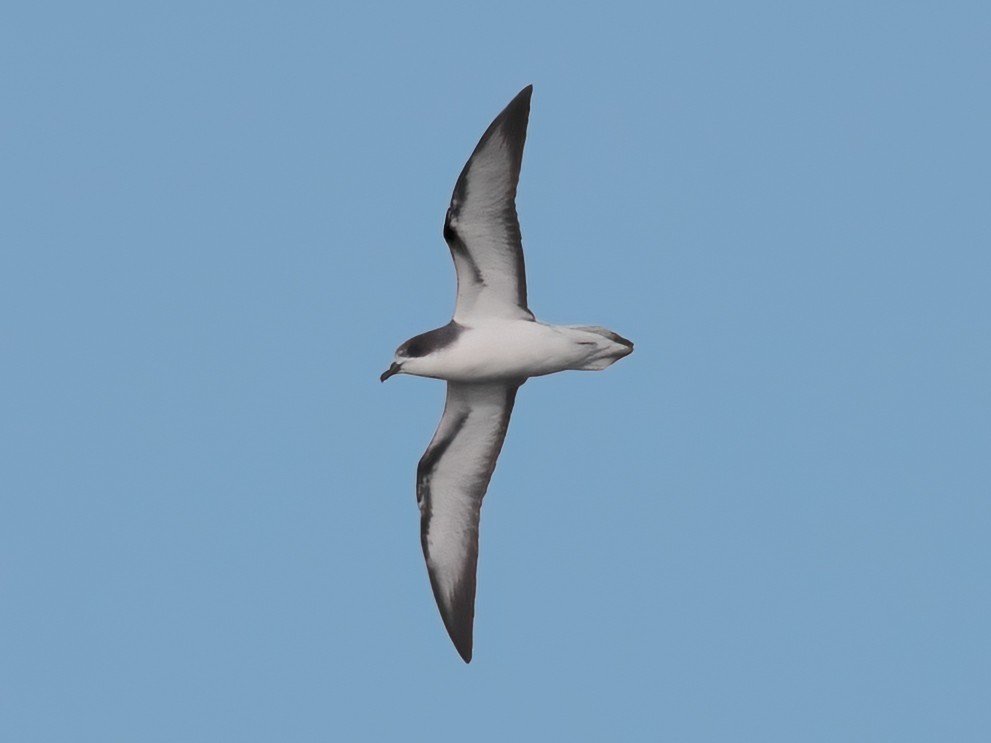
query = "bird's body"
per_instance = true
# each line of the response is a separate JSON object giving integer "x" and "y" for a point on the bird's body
{"x": 491, "y": 347}
{"x": 498, "y": 349}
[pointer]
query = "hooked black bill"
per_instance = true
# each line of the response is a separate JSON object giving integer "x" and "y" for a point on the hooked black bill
{"x": 390, "y": 372}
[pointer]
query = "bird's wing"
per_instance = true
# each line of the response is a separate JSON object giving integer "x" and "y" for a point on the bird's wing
{"x": 482, "y": 229}
{"x": 451, "y": 480}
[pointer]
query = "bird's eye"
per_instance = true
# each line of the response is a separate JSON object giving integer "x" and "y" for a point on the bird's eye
{"x": 411, "y": 349}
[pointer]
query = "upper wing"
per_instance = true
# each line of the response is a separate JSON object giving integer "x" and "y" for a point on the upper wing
{"x": 482, "y": 229}
{"x": 451, "y": 480}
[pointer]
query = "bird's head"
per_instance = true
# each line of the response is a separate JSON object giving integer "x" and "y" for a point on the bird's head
{"x": 408, "y": 359}
{"x": 423, "y": 354}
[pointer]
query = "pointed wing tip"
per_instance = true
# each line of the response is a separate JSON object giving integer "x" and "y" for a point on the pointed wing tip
{"x": 523, "y": 97}
{"x": 457, "y": 610}
{"x": 520, "y": 105}
{"x": 460, "y": 627}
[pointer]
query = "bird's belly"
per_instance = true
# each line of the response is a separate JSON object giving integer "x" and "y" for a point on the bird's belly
{"x": 511, "y": 350}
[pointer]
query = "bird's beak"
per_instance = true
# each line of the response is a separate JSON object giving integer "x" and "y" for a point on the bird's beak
{"x": 392, "y": 370}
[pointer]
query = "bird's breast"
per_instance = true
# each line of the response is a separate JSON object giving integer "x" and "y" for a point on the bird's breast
{"x": 506, "y": 350}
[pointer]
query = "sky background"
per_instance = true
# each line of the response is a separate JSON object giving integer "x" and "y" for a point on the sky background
{"x": 772, "y": 522}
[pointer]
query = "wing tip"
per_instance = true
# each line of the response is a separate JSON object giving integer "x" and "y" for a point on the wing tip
{"x": 464, "y": 649}
{"x": 457, "y": 606}
{"x": 459, "y": 621}
{"x": 457, "y": 609}
{"x": 520, "y": 100}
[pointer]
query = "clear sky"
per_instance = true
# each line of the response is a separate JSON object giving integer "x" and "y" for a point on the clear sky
{"x": 772, "y": 522}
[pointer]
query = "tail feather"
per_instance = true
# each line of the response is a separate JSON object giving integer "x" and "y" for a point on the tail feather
{"x": 605, "y": 333}
{"x": 603, "y": 353}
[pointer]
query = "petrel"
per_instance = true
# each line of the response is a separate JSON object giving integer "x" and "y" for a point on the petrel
{"x": 491, "y": 347}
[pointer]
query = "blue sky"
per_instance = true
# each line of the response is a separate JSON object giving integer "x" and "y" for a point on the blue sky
{"x": 770, "y": 523}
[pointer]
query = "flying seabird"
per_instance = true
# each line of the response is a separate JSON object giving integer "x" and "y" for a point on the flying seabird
{"x": 490, "y": 348}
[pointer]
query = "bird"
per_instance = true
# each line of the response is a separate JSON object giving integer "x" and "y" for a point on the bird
{"x": 491, "y": 346}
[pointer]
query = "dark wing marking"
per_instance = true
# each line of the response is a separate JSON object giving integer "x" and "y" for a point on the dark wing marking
{"x": 451, "y": 480}
{"x": 482, "y": 228}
